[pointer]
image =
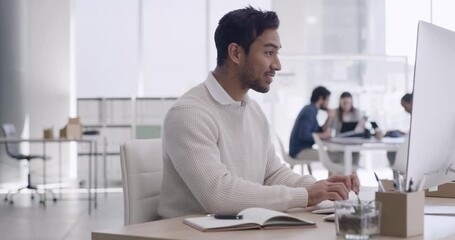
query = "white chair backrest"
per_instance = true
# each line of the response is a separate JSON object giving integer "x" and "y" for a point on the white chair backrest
{"x": 142, "y": 171}
{"x": 323, "y": 155}
{"x": 337, "y": 168}
{"x": 401, "y": 158}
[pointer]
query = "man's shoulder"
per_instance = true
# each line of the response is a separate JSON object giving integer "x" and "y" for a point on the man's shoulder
{"x": 196, "y": 101}
{"x": 195, "y": 97}
{"x": 309, "y": 109}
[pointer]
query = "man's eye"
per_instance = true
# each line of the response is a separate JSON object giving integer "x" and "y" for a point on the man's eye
{"x": 270, "y": 53}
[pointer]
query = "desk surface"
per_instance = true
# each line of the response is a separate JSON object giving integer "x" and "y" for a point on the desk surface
{"x": 18, "y": 140}
{"x": 436, "y": 227}
{"x": 359, "y": 140}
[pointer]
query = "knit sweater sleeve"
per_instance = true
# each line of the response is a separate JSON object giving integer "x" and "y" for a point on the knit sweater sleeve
{"x": 190, "y": 139}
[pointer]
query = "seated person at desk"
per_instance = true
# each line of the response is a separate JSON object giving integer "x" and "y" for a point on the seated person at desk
{"x": 347, "y": 114}
{"x": 406, "y": 103}
{"x": 301, "y": 142}
{"x": 217, "y": 151}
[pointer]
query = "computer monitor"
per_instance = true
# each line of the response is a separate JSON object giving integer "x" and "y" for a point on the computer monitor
{"x": 432, "y": 134}
{"x": 348, "y": 126}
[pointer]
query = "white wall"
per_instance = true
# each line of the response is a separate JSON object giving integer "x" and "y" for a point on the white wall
{"x": 12, "y": 80}
{"x": 156, "y": 48}
{"x": 47, "y": 73}
{"x": 35, "y": 36}
{"x": 106, "y": 47}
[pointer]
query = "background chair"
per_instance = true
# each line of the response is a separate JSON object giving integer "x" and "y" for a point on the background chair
{"x": 292, "y": 161}
{"x": 142, "y": 170}
{"x": 12, "y": 149}
{"x": 332, "y": 167}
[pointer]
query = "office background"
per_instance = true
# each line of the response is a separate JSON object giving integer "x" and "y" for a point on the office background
{"x": 53, "y": 52}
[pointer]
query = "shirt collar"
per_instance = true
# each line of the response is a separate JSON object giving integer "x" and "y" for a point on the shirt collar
{"x": 220, "y": 95}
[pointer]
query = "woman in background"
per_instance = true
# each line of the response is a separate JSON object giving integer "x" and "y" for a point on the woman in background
{"x": 346, "y": 112}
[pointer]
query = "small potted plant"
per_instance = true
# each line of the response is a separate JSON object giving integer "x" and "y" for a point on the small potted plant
{"x": 357, "y": 219}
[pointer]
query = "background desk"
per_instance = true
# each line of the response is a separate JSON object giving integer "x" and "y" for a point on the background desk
{"x": 92, "y": 152}
{"x": 350, "y": 145}
{"x": 436, "y": 227}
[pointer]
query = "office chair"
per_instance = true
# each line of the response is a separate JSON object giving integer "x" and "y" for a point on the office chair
{"x": 293, "y": 161}
{"x": 12, "y": 149}
{"x": 142, "y": 171}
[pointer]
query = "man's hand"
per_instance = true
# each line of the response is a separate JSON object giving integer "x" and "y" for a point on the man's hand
{"x": 335, "y": 188}
{"x": 325, "y": 190}
{"x": 351, "y": 182}
{"x": 325, "y": 135}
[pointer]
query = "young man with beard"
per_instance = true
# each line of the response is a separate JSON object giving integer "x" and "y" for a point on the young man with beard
{"x": 217, "y": 152}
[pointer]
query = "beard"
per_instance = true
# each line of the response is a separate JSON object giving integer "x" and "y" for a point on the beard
{"x": 249, "y": 81}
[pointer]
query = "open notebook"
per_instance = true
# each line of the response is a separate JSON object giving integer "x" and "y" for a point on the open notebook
{"x": 252, "y": 218}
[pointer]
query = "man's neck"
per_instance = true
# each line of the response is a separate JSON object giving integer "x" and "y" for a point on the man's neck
{"x": 230, "y": 82}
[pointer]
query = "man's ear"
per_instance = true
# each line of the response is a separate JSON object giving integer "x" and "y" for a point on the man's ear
{"x": 235, "y": 53}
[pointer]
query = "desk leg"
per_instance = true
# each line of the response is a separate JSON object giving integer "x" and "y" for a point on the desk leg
{"x": 347, "y": 161}
{"x": 60, "y": 170}
{"x": 104, "y": 164}
{"x": 96, "y": 173}
{"x": 90, "y": 178}
{"x": 44, "y": 175}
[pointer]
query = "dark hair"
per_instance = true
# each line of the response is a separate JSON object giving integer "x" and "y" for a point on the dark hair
{"x": 242, "y": 26}
{"x": 319, "y": 92}
{"x": 407, "y": 98}
{"x": 340, "y": 111}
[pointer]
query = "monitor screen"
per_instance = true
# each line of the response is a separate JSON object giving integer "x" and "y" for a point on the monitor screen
{"x": 432, "y": 134}
{"x": 348, "y": 126}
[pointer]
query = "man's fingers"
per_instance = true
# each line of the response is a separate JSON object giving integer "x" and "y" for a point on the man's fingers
{"x": 346, "y": 180}
{"x": 340, "y": 189}
{"x": 355, "y": 183}
{"x": 334, "y": 196}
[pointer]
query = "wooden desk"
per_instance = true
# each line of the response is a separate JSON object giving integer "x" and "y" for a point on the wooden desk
{"x": 356, "y": 144}
{"x": 436, "y": 227}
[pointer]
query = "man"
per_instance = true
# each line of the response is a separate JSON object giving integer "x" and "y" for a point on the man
{"x": 217, "y": 152}
{"x": 406, "y": 102}
{"x": 301, "y": 142}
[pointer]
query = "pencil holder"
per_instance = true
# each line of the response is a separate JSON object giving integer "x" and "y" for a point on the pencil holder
{"x": 402, "y": 213}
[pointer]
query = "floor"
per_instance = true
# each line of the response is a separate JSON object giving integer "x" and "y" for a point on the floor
{"x": 68, "y": 219}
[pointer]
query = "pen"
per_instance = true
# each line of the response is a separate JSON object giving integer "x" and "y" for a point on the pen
{"x": 410, "y": 185}
{"x": 381, "y": 187}
{"x": 226, "y": 216}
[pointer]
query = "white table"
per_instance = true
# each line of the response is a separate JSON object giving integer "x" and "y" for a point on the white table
{"x": 357, "y": 144}
{"x": 92, "y": 152}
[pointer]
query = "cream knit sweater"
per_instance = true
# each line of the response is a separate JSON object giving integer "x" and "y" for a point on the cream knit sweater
{"x": 218, "y": 158}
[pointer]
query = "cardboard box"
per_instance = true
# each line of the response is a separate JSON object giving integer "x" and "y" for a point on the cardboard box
{"x": 402, "y": 213}
{"x": 48, "y": 133}
{"x": 446, "y": 190}
{"x": 72, "y": 130}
